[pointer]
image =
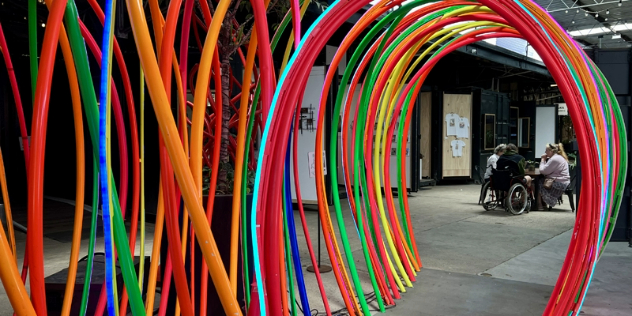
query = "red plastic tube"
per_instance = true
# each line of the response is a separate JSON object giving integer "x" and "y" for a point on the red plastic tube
{"x": 279, "y": 130}
{"x": 4, "y": 49}
{"x": 35, "y": 237}
{"x": 570, "y": 93}
{"x": 184, "y": 48}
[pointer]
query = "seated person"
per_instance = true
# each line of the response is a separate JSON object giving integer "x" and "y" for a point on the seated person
{"x": 511, "y": 154}
{"x": 553, "y": 165}
{"x": 491, "y": 161}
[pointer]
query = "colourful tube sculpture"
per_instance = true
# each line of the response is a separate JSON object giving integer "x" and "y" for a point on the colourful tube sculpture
{"x": 385, "y": 73}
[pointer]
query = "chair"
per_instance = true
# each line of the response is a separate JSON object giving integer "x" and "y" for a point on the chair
{"x": 504, "y": 174}
{"x": 570, "y": 189}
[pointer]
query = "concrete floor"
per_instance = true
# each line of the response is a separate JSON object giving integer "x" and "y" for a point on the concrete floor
{"x": 475, "y": 262}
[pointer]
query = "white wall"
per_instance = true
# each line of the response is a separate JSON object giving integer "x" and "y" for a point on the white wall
{"x": 393, "y": 161}
{"x": 307, "y": 138}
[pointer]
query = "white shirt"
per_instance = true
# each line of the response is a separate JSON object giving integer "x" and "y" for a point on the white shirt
{"x": 452, "y": 123}
{"x": 457, "y": 147}
{"x": 491, "y": 164}
{"x": 463, "y": 130}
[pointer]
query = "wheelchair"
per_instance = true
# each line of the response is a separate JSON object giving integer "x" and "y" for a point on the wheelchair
{"x": 506, "y": 189}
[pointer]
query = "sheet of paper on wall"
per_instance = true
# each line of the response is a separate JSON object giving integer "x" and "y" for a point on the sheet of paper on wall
{"x": 311, "y": 162}
{"x": 457, "y": 147}
{"x": 21, "y": 141}
{"x": 463, "y": 130}
{"x": 452, "y": 121}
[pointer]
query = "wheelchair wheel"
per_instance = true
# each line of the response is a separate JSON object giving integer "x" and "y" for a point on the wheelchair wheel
{"x": 489, "y": 197}
{"x": 517, "y": 199}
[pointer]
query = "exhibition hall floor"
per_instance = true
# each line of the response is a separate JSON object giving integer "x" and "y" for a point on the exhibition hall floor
{"x": 474, "y": 262}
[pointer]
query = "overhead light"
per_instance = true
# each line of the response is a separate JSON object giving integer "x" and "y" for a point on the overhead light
{"x": 553, "y": 85}
{"x": 596, "y": 15}
{"x": 585, "y": 13}
{"x": 616, "y": 36}
{"x": 573, "y": 21}
{"x": 566, "y": 11}
{"x": 619, "y": 3}
{"x": 577, "y": 10}
{"x": 43, "y": 24}
{"x": 606, "y": 19}
{"x": 607, "y": 11}
{"x": 622, "y": 27}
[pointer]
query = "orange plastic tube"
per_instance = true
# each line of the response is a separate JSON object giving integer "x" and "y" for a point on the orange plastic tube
{"x": 7, "y": 209}
{"x": 155, "y": 253}
{"x": 176, "y": 153}
{"x": 80, "y": 174}
{"x": 16, "y": 291}
{"x": 239, "y": 161}
{"x": 210, "y": 57}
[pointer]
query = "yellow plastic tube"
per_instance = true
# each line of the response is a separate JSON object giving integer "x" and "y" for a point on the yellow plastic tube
{"x": 141, "y": 269}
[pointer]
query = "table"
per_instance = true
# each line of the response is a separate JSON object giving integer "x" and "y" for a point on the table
{"x": 533, "y": 173}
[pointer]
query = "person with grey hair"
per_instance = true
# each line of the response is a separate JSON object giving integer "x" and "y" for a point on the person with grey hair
{"x": 491, "y": 161}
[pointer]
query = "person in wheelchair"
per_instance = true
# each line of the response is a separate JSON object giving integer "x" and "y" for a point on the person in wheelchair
{"x": 511, "y": 159}
{"x": 510, "y": 182}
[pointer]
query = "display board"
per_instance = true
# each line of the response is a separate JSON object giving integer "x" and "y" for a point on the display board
{"x": 545, "y": 122}
{"x": 457, "y": 143}
{"x": 307, "y": 137}
{"x": 426, "y": 133}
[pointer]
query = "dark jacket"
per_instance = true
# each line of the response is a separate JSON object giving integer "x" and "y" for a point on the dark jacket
{"x": 515, "y": 157}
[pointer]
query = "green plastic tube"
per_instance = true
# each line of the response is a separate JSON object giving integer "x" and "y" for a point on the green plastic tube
{"x": 32, "y": 27}
{"x": 93, "y": 233}
{"x": 88, "y": 95}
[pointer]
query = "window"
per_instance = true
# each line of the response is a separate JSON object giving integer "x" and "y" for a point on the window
{"x": 524, "y": 130}
{"x": 513, "y": 124}
{"x": 490, "y": 132}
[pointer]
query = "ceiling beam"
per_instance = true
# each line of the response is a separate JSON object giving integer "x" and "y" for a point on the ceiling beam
{"x": 581, "y": 5}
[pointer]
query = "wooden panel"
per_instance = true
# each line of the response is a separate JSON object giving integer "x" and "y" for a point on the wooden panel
{"x": 460, "y": 104}
{"x": 425, "y": 131}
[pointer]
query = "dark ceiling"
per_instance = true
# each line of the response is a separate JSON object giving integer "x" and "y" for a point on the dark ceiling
{"x": 588, "y": 16}
{"x": 585, "y": 16}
